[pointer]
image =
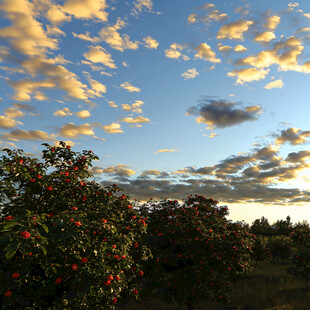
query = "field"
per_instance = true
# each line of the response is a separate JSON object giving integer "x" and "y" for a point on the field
{"x": 267, "y": 287}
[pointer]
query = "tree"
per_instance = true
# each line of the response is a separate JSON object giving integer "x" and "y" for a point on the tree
{"x": 197, "y": 254}
{"x": 261, "y": 227}
{"x": 65, "y": 242}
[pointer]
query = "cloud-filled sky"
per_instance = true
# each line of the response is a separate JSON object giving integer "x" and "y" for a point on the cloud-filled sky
{"x": 175, "y": 97}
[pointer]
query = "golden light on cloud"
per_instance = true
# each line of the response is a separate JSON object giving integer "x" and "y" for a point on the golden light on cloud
{"x": 240, "y": 48}
{"x": 113, "y": 128}
{"x": 272, "y": 22}
{"x": 98, "y": 54}
{"x": 75, "y": 131}
{"x": 274, "y": 84}
{"x": 165, "y": 150}
{"x": 265, "y": 37}
{"x": 205, "y": 52}
{"x": 234, "y": 30}
{"x": 150, "y": 42}
{"x": 130, "y": 88}
{"x": 248, "y": 75}
{"x": 190, "y": 74}
{"x": 138, "y": 119}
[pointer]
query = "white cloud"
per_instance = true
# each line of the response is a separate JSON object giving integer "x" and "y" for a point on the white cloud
{"x": 240, "y": 48}
{"x": 205, "y": 52}
{"x": 113, "y": 128}
{"x": 130, "y": 88}
{"x": 234, "y": 30}
{"x": 86, "y": 37}
{"x": 190, "y": 74}
{"x": 174, "y": 52}
{"x": 135, "y": 107}
{"x": 248, "y": 75}
{"x": 274, "y": 84}
{"x": 264, "y": 37}
{"x": 74, "y": 131}
{"x": 165, "y": 151}
{"x": 98, "y": 54}
{"x": 150, "y": 42}
{"x": 138, "y": 119}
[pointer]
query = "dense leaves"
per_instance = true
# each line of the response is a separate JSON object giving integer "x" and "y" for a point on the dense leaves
{"x": 197, "y": 254}
{"x": 62, "y": 238}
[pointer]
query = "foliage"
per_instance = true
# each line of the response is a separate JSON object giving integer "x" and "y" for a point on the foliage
{"x": 279, "y": 247}
{"x": 300, "y": 256}
{"x": 65, "y": 243}
{"x": 260, "y": 249}
{"x": 197, "y": 254}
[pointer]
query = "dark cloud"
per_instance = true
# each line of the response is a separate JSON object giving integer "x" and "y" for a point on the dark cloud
{"x": 222, "y": 113}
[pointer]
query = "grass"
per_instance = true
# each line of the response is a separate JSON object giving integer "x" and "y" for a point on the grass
{"x": 267, "y": 287}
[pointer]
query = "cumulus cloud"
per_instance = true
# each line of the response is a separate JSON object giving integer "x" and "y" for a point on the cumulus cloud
{"x": 31, "y": 40}
{"x": 190, "y": 74}
{"x": 113, "y": 128}
{"x": 205, "y": 52}
{"x": 66, "y": 112}
{"x": 111, "y": 36}
{"x": 56, "y": 15}
{"x": 234, "y": 30}
{"x": 97, "y": 88}
{"x": 118, "y": 170}
{"x": 248, "y": 75}
{"x": 138, "y": 119}
{"x": 130, "y": 88}
{"x": 150, "y": 42}
{"x": 165, "y": 151}
{"x": 112, "y": 104}
{"x": 192, "y": 18}
{"x": 174, "y": 52}
{"x": 222, "y": 113}
{"x": 98, "y": 54}
{"x": 86, "y": 37}
{"x": 264, "y": 37}
{"x": 274, "y": 84}
{"x": 294, "y": 136}
{"x": 224, "y": 48}
{"x": 135, "y": 107}
{"x": 75, "y": 131}
{"x": 86, "y": 9}
{"x": 240, "y": 48}
{"x": 207, "y": 13}
{"x": 141, "y": 5}
{"x": 272, "y": 22}
{"x": 17, "y": 135}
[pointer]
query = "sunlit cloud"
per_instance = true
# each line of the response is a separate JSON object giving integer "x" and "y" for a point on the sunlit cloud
{"x": 130, "y": 88}
{"x": 98, "y": 54}
{"x": 274, "y": 84}
{"x": 86, "y": 37}
{"x": 240, "y": 48}
{"x": 205, "y": 52}
{"x": 111, "y": 36}
{"x": 113, "y": 128}
{"x": 66, "y": 112}
{"x": 112, "y": 104}
{"x": 150, "y": 42}
{"x": 56, "y": 15}
{"x": 272, "y": 22}
{"x": 138, "y": 119}
{"x": 210, "y": 14}
{"x": 293, "y": 135}
{"x": 234, "y": 30}
{"x": 75, "y": 131}
{"x": 265, "y": 37}
{"x": 165, "y": 151}
{"x": 190, "y": 74}
{"x": 141, "y": 5}
{"x": 86, "y": 9}
{"x": 248, "y": 75}
{"x": 119, "y": 170}
{"x": 19, "y": 134}
{"x": 135, "y": 107}
{"x": 174, "y": 52}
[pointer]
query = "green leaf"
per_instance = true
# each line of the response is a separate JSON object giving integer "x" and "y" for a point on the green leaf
{"x": 45, "y": 227}
{"x": 10, "y": 224}
{"x": 10, "y": 251}
{"x": 44, "y": 249}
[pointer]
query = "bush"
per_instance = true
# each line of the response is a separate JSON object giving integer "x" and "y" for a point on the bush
{"x": 197, "y": 254}
{"x": 65, "y": 243}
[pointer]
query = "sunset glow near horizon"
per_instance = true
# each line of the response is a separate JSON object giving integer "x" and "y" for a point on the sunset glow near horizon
{"x": 175, "y": 97}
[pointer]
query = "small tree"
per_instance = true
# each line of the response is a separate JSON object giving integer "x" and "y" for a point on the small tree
{"x": 65, "y": 242}
{"x": 300, "y": 254}
{"x": 197, "y": 255}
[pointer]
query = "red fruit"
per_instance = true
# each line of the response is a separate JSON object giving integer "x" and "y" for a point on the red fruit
{"x": 49, "y": 188}
{"x": 8, "y": 293}
{"x": 70, "y": 162}
{"x": 53, "y": 150}
{"x": 66, "y": 173}
{"x": 129, "y": 207}
{"x": 21, "y": 161}
{"x": 114, "y": 300}
{"x": 30, "y": 169}
{"x": 104, "y": 220}
{"x": 110, "y": 277}
{"x": 9, "y": 217}
{"x": 117, "y": 257}
{"x": 117, "y": 277}
{"x": 75, "y": 168}
{"x": 68, "y": 146}
{"x": 39, "y": 176}
{"x": 84, "y": 198}
{"x": 135, "y": 245}
{"x": 78, "y": 224}
{"x": 74, "y": 267}
{"x": 34, "y": 217}
{"x": 25, "y": 234}
{"x": 123, "y": 256}
{"x": 140, "y": 273}
{"x": 114, "y": 246}
{"x": 107, "y": 283}
{"x": 67, "y": 180}
{"x": 58, "y": 280}
{"x": 98, "y": 193}
{"x": 84, "y": 260}
{"x": 74, "y": 208}
{"x": 15, "y": 275}
{"x": 135, "y": 292}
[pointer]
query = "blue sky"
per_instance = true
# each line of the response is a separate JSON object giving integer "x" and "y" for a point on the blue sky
{"x": 175, "y": 97}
